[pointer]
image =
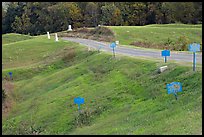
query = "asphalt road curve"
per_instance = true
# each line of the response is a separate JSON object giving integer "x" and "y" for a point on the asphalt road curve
{"x": 177, "y": 56}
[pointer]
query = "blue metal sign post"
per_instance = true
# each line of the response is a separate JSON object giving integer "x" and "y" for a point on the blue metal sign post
{"x": 194, "y": 61}
{"x": 173, "y": 88}
{"x": 79, "y": 101}
{"x": 165, "y": 53}
{"x": 10, "y": 73}
{"x": 114, "y": 52}
{"x": 113, "y": 45}
{"x": 194, "y": 48}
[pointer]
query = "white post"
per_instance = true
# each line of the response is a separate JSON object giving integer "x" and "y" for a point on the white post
{"x": 162, "y": 69}
{"x": 48, "y": 35}
{"x": 70, "y": 28}
{"x": 56, "y": 38}
{"x": 116, "y": 42}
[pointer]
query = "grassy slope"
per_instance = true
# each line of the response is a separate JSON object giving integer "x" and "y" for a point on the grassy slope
{"x": 33, "y": 51}
{"x": 157, "y": 33}
{"x": 13, "y": 37}
{"x": 122, "y": 96}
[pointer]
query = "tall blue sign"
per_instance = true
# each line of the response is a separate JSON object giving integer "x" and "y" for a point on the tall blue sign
{"x": 10, "y": 73}
{"x": 194, "y": 47}
{"x": 79, "y": 101}
{"x": 173, "y": 88}
{"x": 165, "y": 53}
{"x": 113, "y": 46}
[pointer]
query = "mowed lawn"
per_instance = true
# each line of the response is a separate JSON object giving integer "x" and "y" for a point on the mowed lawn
{"x": 13, "y": 37}
{"x": 157, "y": 34}
{"x": 124, "y": 95}
{"x": 28, "y": 52}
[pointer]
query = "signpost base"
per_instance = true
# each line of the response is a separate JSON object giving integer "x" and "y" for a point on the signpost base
{"x": 165, "y": 59}
{"x": 194, "y": 60}
{"x": 176, "y": 96}
{"x": 113, "y": 53}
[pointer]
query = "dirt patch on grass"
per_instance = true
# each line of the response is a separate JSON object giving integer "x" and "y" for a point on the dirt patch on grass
{"x": 8, "y": 102}
{"x": 98, "y": 33}
{"x": 180, "y": 45}
{"x": 149, "y": 45}
{"x": 69, "y": 54}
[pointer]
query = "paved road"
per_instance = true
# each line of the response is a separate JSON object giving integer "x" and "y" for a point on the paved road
{"x": 180, "y": 57}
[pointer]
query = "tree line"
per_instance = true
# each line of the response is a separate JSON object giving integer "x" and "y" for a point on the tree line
{"x": 36, "y": 18}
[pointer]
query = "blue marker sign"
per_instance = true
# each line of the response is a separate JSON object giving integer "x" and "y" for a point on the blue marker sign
{"x": 194, "y": 48}
{"x": 113, "y": 46}
{"x": 10, "y": 73}
{"x": 165, "y": 53}
{"x": 79, "y": 101}
{"x": 173, "y": 88}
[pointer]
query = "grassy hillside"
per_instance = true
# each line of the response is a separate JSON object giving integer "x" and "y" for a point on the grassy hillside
{"x": 175, "y": 37}
{"x": 13, "y": 37}
{"x": 122, "y": 96}
{"x": 176, "y": 25}
{"x": 158, "y": 36}
{"x": 33, "y": 51}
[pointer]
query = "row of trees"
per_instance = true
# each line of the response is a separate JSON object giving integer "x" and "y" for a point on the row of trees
{"x": 39, "y": 17}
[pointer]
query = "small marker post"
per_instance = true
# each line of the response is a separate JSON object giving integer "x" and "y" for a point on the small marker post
{"x": 70, "y": 28}
{"x": 194, "y": 61}
{"x": 113, "y": 52}
{"x": 194, "y": 47}
{"x": 173, "y": 88}
{"x": 99, "y": 48}
{"x": 113, "y": 45}
{"x": 10, "y": 73}
{"x": 56, "y": 38}
{"x": 79, "y": 101}
{"x": 165, "y": 53}
{"x": 165, "y": 59}
{"x": 79, "y": 107}
{"x": 175, "y": 95}
{"x": 48, "y": 35}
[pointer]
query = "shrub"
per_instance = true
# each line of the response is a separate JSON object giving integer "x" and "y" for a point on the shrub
{"x": 83, "y": 30}
{"x": 182, "y": 43}
{"x": 168, "y": 44}
{"x": 69, "y": 55}
{"x": 85, "y": 116}
{"x": 102, "y": 31}
{"x": 3, "y": 95}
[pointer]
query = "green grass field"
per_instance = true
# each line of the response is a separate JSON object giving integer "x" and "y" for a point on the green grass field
{"x": 157, "y": 34}
{"x": 175, "y": 37}
{"x": 13, "y": 37}
{"x": 122, "y": 96}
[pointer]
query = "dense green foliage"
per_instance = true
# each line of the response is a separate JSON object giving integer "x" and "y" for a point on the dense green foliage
{"x": 122, "y": 96}
{"x": 39, "y": 17}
